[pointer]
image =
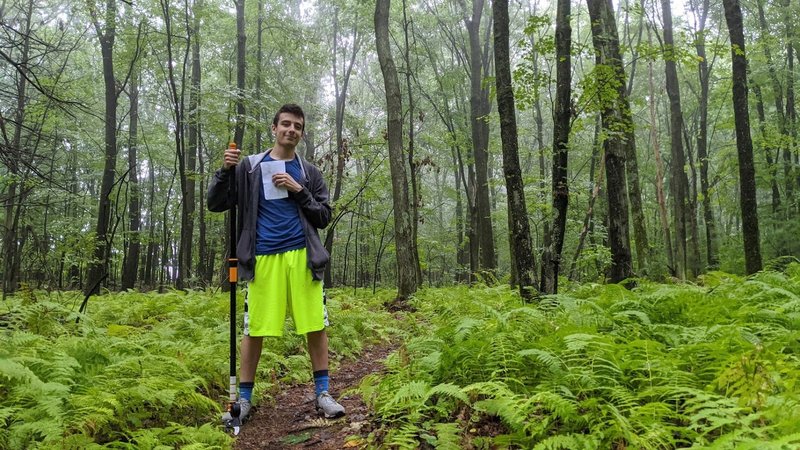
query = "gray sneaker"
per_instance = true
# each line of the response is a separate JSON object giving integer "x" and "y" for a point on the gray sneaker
{"x": 244, "y": 412}
{"x": 327, "y": 406}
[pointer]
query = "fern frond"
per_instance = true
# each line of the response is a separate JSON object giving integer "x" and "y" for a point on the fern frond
{"x": 448, "y": 436}
{"x": 568, "y": 442}
{"x": 447, "y": 390}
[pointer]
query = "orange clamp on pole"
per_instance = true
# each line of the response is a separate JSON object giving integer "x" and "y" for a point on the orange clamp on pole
{"x": 233, "y": 270}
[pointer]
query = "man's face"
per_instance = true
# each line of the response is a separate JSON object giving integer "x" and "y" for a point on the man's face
{"x": 289, "y": 129}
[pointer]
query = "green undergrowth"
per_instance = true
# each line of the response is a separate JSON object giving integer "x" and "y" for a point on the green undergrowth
{"x": 708, "y": 365}
{"x": 145, "y": 371}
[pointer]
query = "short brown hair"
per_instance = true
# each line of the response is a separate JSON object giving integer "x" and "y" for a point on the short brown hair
{"x": 290, "y": 108}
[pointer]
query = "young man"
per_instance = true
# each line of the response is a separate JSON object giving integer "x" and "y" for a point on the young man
{"x": 282, "y": 201}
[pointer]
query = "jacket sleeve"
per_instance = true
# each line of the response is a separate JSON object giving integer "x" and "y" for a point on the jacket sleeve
{"x": 220, "y": 197}
{"x": 314, "y": 199}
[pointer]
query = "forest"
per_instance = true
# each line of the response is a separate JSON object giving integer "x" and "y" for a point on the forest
{"x": 578, "y": 220}
{"x": 115, "y": 115}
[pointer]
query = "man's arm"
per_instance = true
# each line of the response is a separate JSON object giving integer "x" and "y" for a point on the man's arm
{"x": 221, "y": 196}
{"x": 218, "y": 198}
{"x": 314, "y": 199}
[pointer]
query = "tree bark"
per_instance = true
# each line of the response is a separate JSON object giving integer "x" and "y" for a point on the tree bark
{"x": 704, "y": 72}
{"x": 679, "y": 184}
{"x": 106, "y": 34}
{"x": 791, "y": 113}
{"x": 520, "y": 242}
{"x": 259, "y": 63}
{"x": 479, "y": 108}
{"x": 656, "y": 144}
{"x": 177, "y": 99}
{"x": 616, "y": 122}
{"x": 193, "y": 141}
{"x": 412, "y": 163}
{"x": 407, "y": 259}
{"x": 772, "y": 163}
{"x": 554, "y": 242}
{"x": 131, "y": 267}
{"x": 241, "y": 58}
{"x": 342, "y": 146}
{"x": 744, "y": 143}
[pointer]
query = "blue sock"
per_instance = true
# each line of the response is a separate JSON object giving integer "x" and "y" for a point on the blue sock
{"x": 320, "y": 381}
{"x": 246, "y": 390}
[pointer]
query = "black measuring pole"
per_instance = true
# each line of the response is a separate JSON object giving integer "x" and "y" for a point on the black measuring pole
{"x": 233, "y": 277}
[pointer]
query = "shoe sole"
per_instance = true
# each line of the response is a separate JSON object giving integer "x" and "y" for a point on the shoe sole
{"x": 331, "y": 416}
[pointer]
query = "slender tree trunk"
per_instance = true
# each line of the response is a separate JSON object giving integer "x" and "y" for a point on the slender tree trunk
{"x": 712, "y": 252}
{"x": 520, "y": 242}
{"x": 791, "y": 113}
{"x": 777, "y": 91}
{"x": 616, "y": 118}
{"x": 407, "y": 259}
{"x": 656, "y": 144}
{"x": 179, "y": 116}
{"x": 678, "y": 182}
{"x": 241, "y": 38}
{"x": 412, "y": 163}
{"x": 133, "y": 244}
{"x": 744, "y": 143}
{"x": 772, "y": 168}
{"x": 597, "y": 184}
{"x": 106, "y": 34}
{"x": 148, "y": 277}
{"x": 342, "y": 146}
{"x": 482, "y": 221}
{"x": 13, "y": 202}
{"x": 551, "y": 259}
{"x": 259, "y": 63}
{"x": 193, "y": 132}
{"x": 771, "y": 145}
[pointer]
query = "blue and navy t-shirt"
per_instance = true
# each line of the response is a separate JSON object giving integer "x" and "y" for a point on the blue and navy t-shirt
{"x": 279, "y": 227}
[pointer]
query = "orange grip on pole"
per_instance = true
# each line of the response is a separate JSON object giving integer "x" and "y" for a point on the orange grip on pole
{"x": 233, "y": 270}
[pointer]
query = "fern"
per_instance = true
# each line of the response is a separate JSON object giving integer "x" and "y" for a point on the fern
{"x": 448, "y": 436}
{"x": 568, "y": 442}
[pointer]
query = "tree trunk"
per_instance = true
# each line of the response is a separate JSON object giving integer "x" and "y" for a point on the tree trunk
{"x": 133, "y": 244}
{"x": 407, "y": 259}
{"x": 616, "y": 120}
{"x": 679, "y": 184}
{"x": 106, "y": 35}
{"x": 520, "y": 239}
{"x": 551, "y": 258}
{"x": 712, "y": 252}
{"x": 193, "y": 132}
{"x": 479, "y": 108}
{"x": 13, "y": 202}
{"x": 588, "y": 219}
{"x": 744, "y": 143}
{"x": 791, "y": 113}
{"x": 772, "y": 163}
{"x": 777, "y": 92}
{"x": 179, "y": 116}
{"x": 259, "y": 62}
{"x": 772, "y": 168}
{"x": 656, "y": 144}
{"x": 412, "y": 163}
{"x": 342, "y": 146}
{"x": 241, "y": 55}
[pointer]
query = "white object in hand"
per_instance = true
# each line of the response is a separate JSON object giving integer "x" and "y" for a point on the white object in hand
{"x": 268, "y": 169}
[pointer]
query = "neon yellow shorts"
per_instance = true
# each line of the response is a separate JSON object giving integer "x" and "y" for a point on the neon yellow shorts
{"x": 282, "y": 282}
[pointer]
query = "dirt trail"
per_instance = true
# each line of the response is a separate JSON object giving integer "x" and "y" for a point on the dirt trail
{"x": 292, "y": 423}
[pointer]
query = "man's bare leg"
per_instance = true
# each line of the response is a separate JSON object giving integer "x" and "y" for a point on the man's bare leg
{"x": 251, "y": 353}
{"x": 318, "y": 349}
